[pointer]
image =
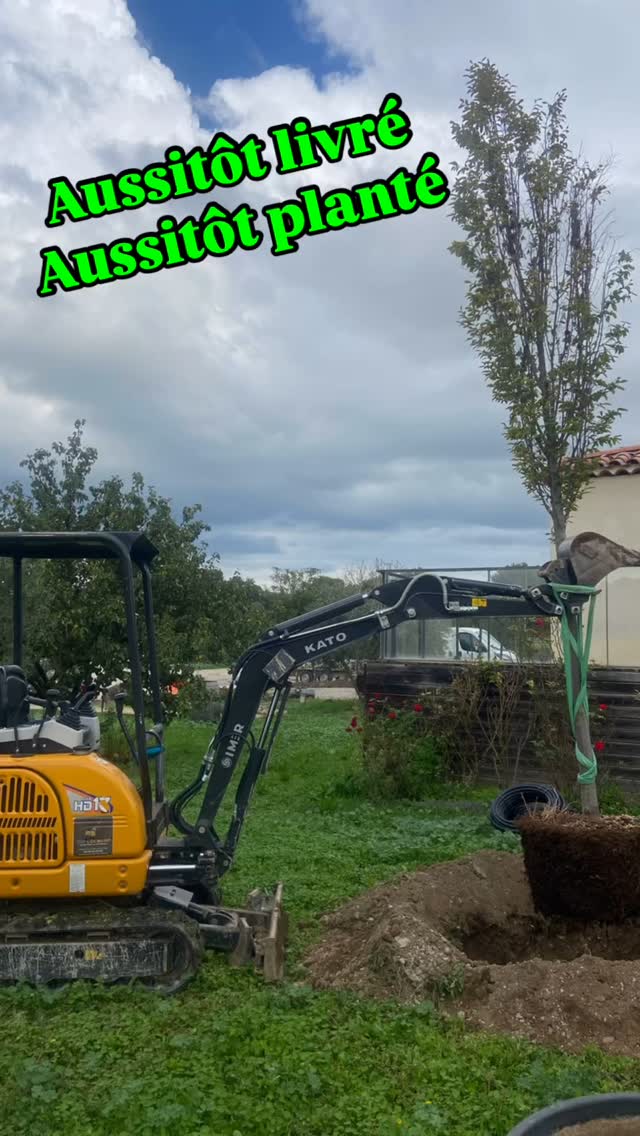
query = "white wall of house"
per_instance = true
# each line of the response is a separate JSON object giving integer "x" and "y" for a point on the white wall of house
{"x": 611, "y": 506}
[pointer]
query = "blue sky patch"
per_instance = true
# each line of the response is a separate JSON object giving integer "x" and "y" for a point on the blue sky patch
{"x": 206, "y": 40}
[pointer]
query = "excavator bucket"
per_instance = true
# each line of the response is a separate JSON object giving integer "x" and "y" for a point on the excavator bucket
{"x": 587, "y": 559}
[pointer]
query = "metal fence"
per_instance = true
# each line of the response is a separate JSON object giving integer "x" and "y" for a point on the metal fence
{"x": 511, "y": 639}
{"x": 616, "y": 631}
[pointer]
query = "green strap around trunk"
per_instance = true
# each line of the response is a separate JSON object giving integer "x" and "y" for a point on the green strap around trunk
{"x": 580, "y": 647}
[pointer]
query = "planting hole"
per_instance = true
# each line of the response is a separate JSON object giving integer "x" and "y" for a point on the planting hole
{"x": 465, "y": 936}
{"x": 551, "y": 940}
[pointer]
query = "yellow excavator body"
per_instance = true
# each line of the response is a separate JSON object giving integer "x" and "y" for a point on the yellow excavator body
{"x": 71, "y": 826}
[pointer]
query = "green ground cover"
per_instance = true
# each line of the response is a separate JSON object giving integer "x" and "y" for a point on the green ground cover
{"x": 233, "y": 1057}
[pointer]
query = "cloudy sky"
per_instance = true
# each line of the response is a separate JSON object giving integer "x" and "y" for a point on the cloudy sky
{"x": 324, "y": 407}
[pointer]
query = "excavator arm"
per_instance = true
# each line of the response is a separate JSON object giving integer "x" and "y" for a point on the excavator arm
{"x": 270, "y": 663}
{"x": 258, "y": 931}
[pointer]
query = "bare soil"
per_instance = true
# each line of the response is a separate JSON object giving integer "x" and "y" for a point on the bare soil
{"x": 466, "y": 936}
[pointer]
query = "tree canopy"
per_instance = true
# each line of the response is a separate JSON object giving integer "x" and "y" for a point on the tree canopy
{"x": 75, "y": 623}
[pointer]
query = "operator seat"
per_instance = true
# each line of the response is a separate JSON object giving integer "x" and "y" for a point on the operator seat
{"x": 14, "y": 703}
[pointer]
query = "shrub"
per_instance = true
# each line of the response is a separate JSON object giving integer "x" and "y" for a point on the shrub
{"x": 491, "y": 718}
{"x": 401, "y": 756}
{"x": 193, "y": 700}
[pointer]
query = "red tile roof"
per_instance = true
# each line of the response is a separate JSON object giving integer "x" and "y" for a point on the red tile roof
{"x": 610, "y": 463}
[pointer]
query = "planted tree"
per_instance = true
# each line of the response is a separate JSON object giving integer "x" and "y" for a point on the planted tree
{"x": 545, "y": 286}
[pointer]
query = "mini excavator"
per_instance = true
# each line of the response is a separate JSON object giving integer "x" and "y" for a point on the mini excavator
{"x": 104, "y": 879}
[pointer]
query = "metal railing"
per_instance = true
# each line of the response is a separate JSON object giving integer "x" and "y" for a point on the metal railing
{"x": 470, "y": 637}
{"x": 616, "y": 633}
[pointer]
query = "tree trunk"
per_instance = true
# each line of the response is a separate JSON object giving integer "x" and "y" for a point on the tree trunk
{"x": 558, "y": 521}
{"x": 588, "y": 793}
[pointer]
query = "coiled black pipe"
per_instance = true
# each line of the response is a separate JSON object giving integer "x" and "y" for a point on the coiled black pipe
{"x": 521, "y": 800}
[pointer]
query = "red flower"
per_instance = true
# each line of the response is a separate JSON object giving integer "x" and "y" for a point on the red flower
{"x": 599, "y": 747}
{"x": 539, "y": 622}
{"x": 603, "y": 706}
{"x": 392, "y": 714}
{"x": 418, "y": 708}
{"x": 354, "y": 723}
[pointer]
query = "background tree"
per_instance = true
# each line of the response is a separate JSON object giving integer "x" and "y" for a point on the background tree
{"x": 239, "y": 611}
{"x": 295, "y": 591}
{"x": 75, "y": 621}
{"x": 544, "y": 286}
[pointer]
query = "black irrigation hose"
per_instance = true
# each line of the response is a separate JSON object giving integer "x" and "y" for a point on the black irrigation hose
{"x": 517, "y": 802}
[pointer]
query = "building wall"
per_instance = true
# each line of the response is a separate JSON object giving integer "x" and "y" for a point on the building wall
{"x": 611, "y": 506}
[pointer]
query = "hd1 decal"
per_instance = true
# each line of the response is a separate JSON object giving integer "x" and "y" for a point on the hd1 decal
{"x": 83, "y": 802}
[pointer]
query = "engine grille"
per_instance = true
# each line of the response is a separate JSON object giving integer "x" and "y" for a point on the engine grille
{"x": 31, "y": 830}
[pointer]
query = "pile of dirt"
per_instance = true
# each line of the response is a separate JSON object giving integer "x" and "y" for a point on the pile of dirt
{"x": 466, "y": 935}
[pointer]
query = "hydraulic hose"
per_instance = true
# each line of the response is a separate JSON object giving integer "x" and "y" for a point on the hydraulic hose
{"x": 509, "y": 807}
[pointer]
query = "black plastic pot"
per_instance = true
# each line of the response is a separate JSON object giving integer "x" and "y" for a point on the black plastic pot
{"x": 609, "y": 1106}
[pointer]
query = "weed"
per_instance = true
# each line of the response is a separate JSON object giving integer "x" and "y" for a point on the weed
{"x": 450, "y": 986}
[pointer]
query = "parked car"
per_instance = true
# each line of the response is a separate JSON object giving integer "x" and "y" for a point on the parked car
{"x": 475, "y": 643}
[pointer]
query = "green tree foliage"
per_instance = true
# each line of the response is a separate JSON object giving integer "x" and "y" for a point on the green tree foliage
{"x": 75, "y": 621}
{"x": 296, "y": 591}
{"x": 239, "y": 611}
{"x": 544, "y": 285}
{"x": 74, "y": 611}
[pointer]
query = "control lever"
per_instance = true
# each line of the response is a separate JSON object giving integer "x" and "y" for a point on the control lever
{"x": 86, "y": 697}
{"x": 50, "y": 703}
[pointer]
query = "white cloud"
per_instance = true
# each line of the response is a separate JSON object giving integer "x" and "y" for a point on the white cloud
{"x": 325, "y": 407}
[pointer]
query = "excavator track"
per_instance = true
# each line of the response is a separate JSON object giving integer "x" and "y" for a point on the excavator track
{"x": 162, "y": 950}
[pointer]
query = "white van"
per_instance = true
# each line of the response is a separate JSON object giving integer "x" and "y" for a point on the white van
{"x": 475, "y": 643}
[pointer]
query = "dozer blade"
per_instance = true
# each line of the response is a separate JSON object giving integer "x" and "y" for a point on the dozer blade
{"x": 587, "y": 559}
{"x": 270, "y": 927}
{"x": 160, "y": 950}
{"x": 254, "y": 935}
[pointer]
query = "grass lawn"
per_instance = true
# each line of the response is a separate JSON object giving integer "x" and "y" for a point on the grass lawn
{"x": 233, "y": 1057}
